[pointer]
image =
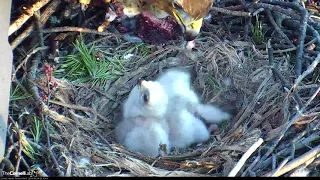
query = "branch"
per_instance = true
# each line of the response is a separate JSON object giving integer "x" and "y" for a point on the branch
{"x": 308, "y": 156}
{"x": 27, "y": 14}
{"x": 77, "y": 29}
{"x": 44, "y": 18}
{"x": 244, "y": 158}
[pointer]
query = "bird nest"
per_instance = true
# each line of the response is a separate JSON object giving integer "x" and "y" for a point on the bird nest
{"x": 221, "y": 74}
{"x": 62, "y": 123}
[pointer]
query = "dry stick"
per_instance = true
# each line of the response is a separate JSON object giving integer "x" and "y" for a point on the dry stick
{"x": 310, "y": 155}
{"x": 286, "y": 85}
{"x": 45, "y": 121}
{"x": 302, "y": 167}
{"x": 287, "y": 12}
{"x": 312, "y": 97}
{"x": 276, "y": 141}
{"x": 256, "y": 160}
{"x": 81, "y": 108}
{"x": 24, "y": 162}
{"x": 229, "y": 12}
{"x": 286, "y": 151}
{"x": 276, "y": 27}
{"x": 77, "y": 29}
{"x": 309, "y": 70}
{"x": 234, "y": 8}
{"x": 315, "y": 33}
{"x": 271, "y": 58}
{"x": 37, "y": 15}
{"x": 104, "y": 140}
{"x": 303, "y": 29}
{"x": 45, "y": 15}
{"x": 19, "y": 152}
{"x": 26, "y": 59}
{"x": 26, "y": 15}
{"x": 247, "y": 28}
{"x": 244, "y": 158}
{"x": 284, "y": 162}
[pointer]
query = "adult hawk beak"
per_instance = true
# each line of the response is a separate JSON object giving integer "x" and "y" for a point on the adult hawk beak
{"x": 189, "y": 14}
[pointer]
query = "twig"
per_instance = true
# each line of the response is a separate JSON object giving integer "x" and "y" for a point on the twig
{"x": 303, "y": 29}
{"x": 315, "y": 33}
{"x": 310, "y": 155}
{"x": 24, "y": 162}
{"x": 284, "y": 130}
{"x": 19, "y": 152}
{"x": 247, "y": 28}
{"x": 37, "y": 16}
{"x": 276, "y": 27}
{"x": 77, "y": 29}
{"x": 284, "y": 162}
{"x": 256, "y": 160}
{"x": 309, "y": 70}
{"x": 286, "y": 151}
{"x": 286, "y": 85}
{"x": 287, "y": 12}
{"x": 234, "y": 13}
{"x": 81, "y": 108}
{"x": 8, "y": 164}
{"x": 27, "y": 14}
{"x": 271, "y": 58}
{"x": 244, "y": 158}
{"x": 312, "y": 97}
{"x": 104, "y": 140}
{"x": 44, "y": 122}
{"x": 26, "y": 60}
{"x": 50, "y": 9}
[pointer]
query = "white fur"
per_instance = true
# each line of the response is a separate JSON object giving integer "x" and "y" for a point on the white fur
{"x": 143, "y": 127}
{"x": 184, "y": 127}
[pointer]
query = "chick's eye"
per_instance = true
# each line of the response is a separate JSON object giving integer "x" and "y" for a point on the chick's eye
{"x": 146, "y": 97}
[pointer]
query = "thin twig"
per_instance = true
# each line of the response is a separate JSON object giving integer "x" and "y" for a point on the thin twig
{"x": 286, "y": 151}
{"x": 276, "y": 27}
{"x": 75, "y": 107}
{"x": 34, "y": 51}
{"x": 310, "y": 155}
{"x": 234, "y": 13}
{"x": 309, "y": 70}
{"x": 284, "y": 162}
{"x": 50, "y": 9}
{"x": 256, "y": 160}
{"x": 19, "y": 152}
{"x": 286, "y": 85}
{"x": 303, "y": 29}
{"x": 244, "y": 158}
{"x": 17, "y": 24}
{"x": 77, "y": 29}
{"x": 37, "y": 16}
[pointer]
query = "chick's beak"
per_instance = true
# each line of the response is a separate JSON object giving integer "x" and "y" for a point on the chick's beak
{"x": 190, "y": 28}
{"x": 141, "y": 85}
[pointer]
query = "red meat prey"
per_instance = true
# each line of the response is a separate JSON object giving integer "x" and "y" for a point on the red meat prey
{"x": 157, "y": 31}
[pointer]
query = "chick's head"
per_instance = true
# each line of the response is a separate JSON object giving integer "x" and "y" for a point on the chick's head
{"x": 152, "y": 97}
{"x": 146, "y": 99}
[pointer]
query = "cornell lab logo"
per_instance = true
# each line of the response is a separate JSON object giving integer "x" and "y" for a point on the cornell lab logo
{"x": 32, "y": 173}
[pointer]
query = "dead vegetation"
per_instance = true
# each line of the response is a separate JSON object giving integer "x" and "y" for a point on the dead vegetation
{"x": 265, "y": 71}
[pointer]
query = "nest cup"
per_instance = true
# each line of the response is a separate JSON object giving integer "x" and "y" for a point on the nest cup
{"x": 221, "y": 75}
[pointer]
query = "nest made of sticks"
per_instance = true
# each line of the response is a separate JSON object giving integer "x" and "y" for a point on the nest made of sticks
{"x": 257, "y": 83}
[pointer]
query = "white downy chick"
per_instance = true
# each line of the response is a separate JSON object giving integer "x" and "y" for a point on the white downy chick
{"x": 185, "y": 127}
{"x": 143, "y": 128}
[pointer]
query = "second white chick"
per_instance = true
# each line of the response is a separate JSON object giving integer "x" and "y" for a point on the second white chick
{"x": 143, "y": 128}
{"x": 184, "y": 127}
